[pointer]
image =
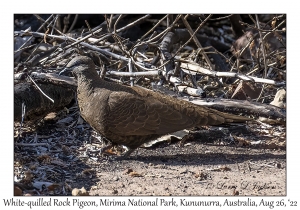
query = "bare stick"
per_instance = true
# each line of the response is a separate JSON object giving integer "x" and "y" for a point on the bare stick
{"x": 26, "y": 47}
{"x": 169, "y": 20}
{"x": 134, "y": 74}
{"x": 130, "y": 71}
{"x": 142, "y": 67}
{"x": 89, "y": 27}
{"x": 37, "y": 31}
{"x": 54, "y": 22}
{"x": 165, "y": 31}
{"x": 262, "y": 44}
{"x": 117, "y": 21}
{"x": 188, "y": 67}
{"x": 263, "y": 52}
{"x": 123, "y": 28}
{"x": 107, "y": 44}
{"x": 188, "y": 40}
{"x": 41, "y": 90}
{"x": 83, "y": 44}
{"x": 240, "y": 52}
{"x": 221, "y": 18}
{"x": 181, "y": 87}
{"x": 152, "y": 29}
{"x": 23, "y": 115}
{"x": 83, "y": 39}
{"x": 262, "y": 30}
{"x": 190, "y": 30}
{"x": 32, "y": 144}
{"x": 274, "y": 30}
{"x": 73, "y": 24}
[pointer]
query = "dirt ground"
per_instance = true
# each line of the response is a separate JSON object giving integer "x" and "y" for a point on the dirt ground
{"x": 244, "y": 165}
{"x": 195, "y": 170}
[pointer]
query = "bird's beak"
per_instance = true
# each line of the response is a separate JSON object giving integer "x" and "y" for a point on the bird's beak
{"x": 65, "y": 70}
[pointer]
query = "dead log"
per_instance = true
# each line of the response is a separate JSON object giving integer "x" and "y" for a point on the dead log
{"x": 37, "y": 105}
{"x": 245, "y": 107}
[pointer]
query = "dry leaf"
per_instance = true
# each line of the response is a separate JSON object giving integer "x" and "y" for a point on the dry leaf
{"x": 235, "y": 192}
{"x": 53, "y": 187}
{"x": 127, "y": 171}
{"x": 241, "y": 141}
{"x": 80, "y": 192}
{"x": 44, "y": 158}
{"x": 223, "y": 168}
{"x": 135, "y": 174}
{"x": 109, "y": 152}
{"x": 273, "y": 23}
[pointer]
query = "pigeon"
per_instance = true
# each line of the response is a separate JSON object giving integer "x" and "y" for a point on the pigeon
{"x": 132, "y": 116}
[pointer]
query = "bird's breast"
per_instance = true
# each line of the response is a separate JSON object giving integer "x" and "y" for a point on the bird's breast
{"x": 93, "y": 107}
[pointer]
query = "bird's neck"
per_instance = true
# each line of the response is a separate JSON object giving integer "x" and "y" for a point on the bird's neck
{"x": 85, "y": 87}
{"x": 88, "y": 82}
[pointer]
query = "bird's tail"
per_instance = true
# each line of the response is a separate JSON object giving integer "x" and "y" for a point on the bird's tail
{"x": 221, "y": 117}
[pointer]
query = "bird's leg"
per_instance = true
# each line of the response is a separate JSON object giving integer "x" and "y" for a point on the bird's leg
{"x": 186, "y": 137}
{"x": 122, "y": 157}
{"x": 128, "y": 152}
{"x": 125, "y": 155}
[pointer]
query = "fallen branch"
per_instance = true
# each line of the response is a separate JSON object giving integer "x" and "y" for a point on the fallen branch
{"x": 232, "y": 106}
{"x": 243, "y": 107}
{"x": 188, "y": 67}
{"x": 37, "y": 106}
{"x": 65, "y": 38}
{"x": 134, "y": 74}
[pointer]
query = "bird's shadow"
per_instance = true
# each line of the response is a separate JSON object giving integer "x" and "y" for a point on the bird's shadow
{"x": 203, "y": 159}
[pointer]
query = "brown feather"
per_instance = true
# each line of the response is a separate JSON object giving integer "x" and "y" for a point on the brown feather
{"x": 132, "y": 116}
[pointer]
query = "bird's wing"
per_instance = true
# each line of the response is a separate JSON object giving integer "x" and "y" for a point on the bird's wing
{"x": 131, "y": 114}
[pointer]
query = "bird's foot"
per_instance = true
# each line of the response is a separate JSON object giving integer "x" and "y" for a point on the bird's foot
{"x": 128, "y": 153}
{"x": 185, "y": 138}
{"x": 123, "y": 156}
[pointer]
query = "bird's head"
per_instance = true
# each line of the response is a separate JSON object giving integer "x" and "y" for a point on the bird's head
{"x": 79, "y": 65}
